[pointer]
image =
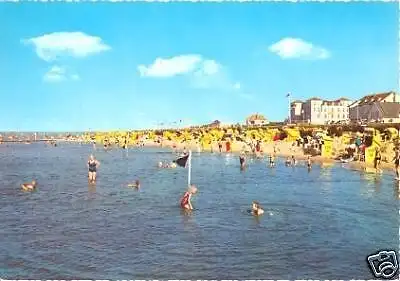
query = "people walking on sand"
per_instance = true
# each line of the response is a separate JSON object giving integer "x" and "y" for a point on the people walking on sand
{"x": 29, "y": 186}
{"x": 92, "y": 165}
{"x": 185, "y": 201}
{"x": 377, "y": 160}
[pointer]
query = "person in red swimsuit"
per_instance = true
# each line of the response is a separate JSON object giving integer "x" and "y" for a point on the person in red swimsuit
{"x": 185, "y": 200}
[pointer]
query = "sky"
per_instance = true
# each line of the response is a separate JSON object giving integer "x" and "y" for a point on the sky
{"x": 117, "y": 66}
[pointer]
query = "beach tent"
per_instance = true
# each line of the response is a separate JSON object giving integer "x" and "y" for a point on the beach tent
{"x": 327, "y": 147}
{"x": 292, "y": 134}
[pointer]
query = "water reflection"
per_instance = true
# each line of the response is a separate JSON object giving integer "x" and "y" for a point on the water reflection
{"x": 373, "y": 183}
{"x": 91, "y": 191}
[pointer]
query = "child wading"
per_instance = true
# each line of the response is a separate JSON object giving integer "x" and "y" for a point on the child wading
{"x": 186, "y": 203}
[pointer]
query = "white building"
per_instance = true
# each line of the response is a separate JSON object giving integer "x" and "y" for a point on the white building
{"x": 382, "y": 107}
{"x": 256, "y": 120}
{"x": 318, "y": 111}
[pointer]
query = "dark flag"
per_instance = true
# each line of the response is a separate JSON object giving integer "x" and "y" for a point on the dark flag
{"x": 182, "y": 161}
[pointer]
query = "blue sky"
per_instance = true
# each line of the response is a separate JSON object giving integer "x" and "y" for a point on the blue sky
{"x": 80, "y": 66}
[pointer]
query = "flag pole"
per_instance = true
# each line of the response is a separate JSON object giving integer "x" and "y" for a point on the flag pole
{"x": 189, "y": 167}
{"x": 290, "y": 109}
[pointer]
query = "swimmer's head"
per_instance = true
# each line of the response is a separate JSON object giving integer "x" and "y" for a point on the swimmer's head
{"x": 256, "y": 205}
{"x": 34, "y": 182}
{"x": 91, "y": 157}
{"x": 160, "y": 164}
{"x": 192, "y": 189}
{"x": 137, "y": 183}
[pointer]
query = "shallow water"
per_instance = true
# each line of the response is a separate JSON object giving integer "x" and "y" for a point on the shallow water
{"x": 317, "y": 225}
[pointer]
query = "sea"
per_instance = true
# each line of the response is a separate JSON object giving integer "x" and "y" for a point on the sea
{"x": 318, "y": 224}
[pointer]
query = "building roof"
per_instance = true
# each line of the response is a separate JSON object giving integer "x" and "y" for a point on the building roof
{"x": 390, "y": 109}
{"x": 256, "y": 116}
{"x": 314, "y": 98}
{"x": 375, "y": 98}
{"x": 297, "y": 101}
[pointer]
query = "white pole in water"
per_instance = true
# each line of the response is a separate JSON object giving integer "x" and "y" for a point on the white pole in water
{"x": 290, "y": 109}
{"x": 189, "y": 167}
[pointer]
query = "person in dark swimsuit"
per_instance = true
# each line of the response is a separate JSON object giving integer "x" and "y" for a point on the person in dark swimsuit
{"x": 242, "y": 161}
{"x": 272, "y": 160}
{"x": 309, "y": 163}
{"x": 396, "y": 160}
{"x": 92, "y": 165}
{"x": 288, "y": 162}
{"x": 378, "y": 158}
{"x": 220, "y": 147}
{"x": 293, "y": 161}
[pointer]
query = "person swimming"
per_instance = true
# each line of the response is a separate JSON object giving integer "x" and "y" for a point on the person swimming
{"x": 288, "y": 162}
{"x": 29, "y": 186}
{"x": 256, "y": 209}
{"x": 185, "y": 201}
{"x": 92, "y": 165}
{"x": 135, "y": 185}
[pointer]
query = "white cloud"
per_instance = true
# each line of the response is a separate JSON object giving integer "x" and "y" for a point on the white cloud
{"x": 203, "y": 73}
{"x": 295, "y": 48}
{"x": 51, "y": 46}
{"x": 58, "y": 74}
{"x": 168, "y": 67}
{"x": 55, "y": 74}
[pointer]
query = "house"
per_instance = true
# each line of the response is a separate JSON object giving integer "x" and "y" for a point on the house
{"x": 256, "y": 120}
{"x": 214, "y": 124}
{"x": 319, "y": 111}
{"x": 379, "y": 107}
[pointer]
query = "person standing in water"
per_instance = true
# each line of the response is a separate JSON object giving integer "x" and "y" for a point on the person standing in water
{"x": 272, "y": 160}
{"x": 396, "y": 160}
{"x": 288, "y": 162}
{"x": 309, "y": 163}
{"x": 377, "y": 160}
{"x": 92, "y": 165}
{"x": 242, "y": 161}
{"x": 293, "y": 161}
{"x": 185, "y": 201}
